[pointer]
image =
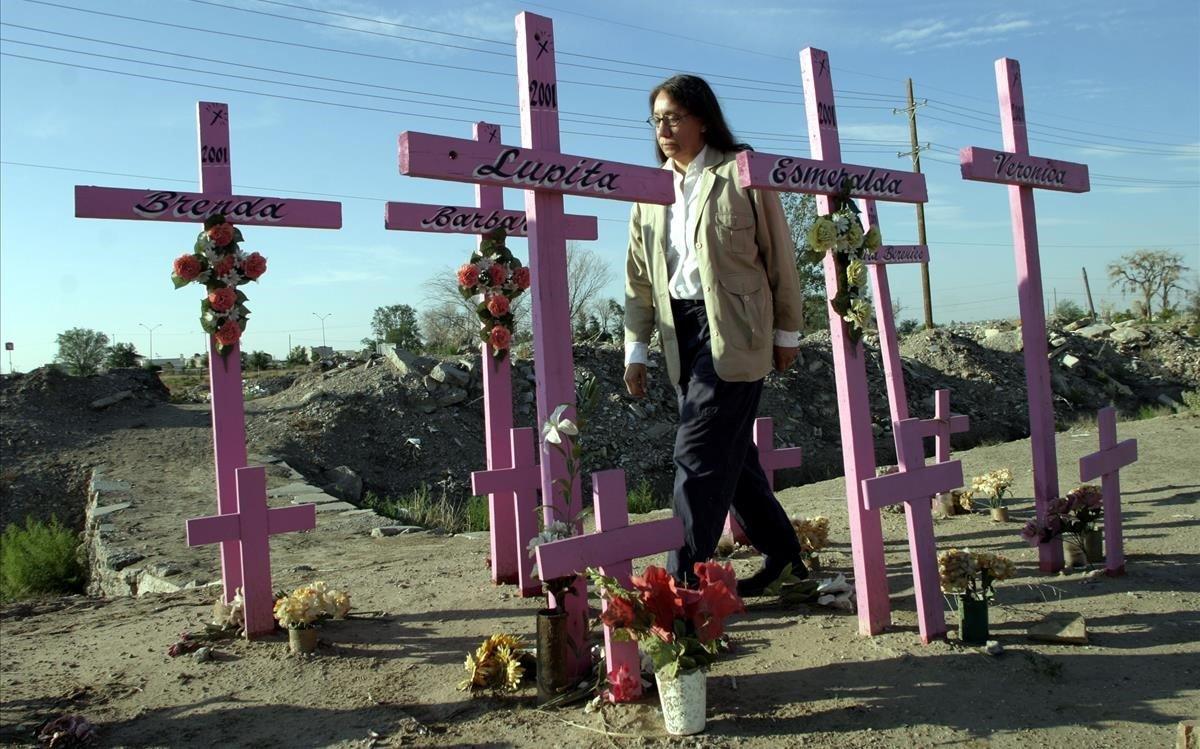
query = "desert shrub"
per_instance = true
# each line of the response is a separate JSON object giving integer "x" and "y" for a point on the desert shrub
{"x": 39, "y": 558}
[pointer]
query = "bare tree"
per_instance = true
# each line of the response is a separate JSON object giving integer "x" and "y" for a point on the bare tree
{"x": 1148, "y": 272}
{"x": 587, "y": 275}
{"x": 447, "y": 327}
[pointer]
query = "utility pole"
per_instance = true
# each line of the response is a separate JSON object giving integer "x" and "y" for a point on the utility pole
{"x": 1088, "y": 290}
{"x": 151, "y": 329}
{"x": 915, "y": 153}
{"x": 322, "y": 319}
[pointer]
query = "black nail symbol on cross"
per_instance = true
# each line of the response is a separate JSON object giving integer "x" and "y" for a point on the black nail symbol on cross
{"x": 543, "y": 45}
{"x": 218, "y": 114}
{"x": 492, "y": 134}
{"x": 1016, "y": 77}
{"x": 822, "y": 65}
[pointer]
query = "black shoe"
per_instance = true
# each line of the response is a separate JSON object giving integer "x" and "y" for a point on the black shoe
{"x": 768, "y": 580}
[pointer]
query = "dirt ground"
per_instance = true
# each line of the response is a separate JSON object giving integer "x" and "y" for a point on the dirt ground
{"x": 799, "y": 677}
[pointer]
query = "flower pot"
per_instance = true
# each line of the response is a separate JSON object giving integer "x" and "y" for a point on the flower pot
{"x": 302, "y": 640}
{"x": 999, "y": 514}
{"x": 972, "y": 620}
{"x": 1093, "y": 545}
{"x": 683, "y": 701}
{"x": 553, "y": 666}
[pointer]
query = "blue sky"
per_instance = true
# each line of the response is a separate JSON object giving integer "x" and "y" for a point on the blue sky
{"x": 1106, "y": 84}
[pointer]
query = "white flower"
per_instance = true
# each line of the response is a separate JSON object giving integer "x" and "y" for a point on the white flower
{"x": 556, "y": 426}
{"x": 232, "y": 279}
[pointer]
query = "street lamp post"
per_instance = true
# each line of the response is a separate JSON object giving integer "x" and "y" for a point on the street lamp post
{"x": 322, "y": 319}
{"x": 151, "y": 329}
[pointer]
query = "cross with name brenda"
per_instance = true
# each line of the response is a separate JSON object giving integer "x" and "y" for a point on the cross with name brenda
{"x": 546, "y": 174}
{"x": 825, "y": 176}
{"x": 248, "y": 528}
{"x": 1106, "y": 464}
{"x": 1022, "y": 172}
{"x": 611, "y": 548}
{"x": 215, "y": 196}
{"x": 508, "y": 546}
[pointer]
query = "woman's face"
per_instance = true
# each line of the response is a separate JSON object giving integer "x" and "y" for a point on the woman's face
{"x": 683, "y": 141}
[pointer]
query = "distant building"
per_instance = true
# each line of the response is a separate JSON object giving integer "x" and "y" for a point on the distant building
{"x": 320, "y": 352}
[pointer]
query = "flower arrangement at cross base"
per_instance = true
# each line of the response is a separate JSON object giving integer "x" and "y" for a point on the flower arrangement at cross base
{"x": 991, "y": 487}
{"x": 498, "y": 664}
{"x": 1074, "y": 515}
{"x": 813, "y": 534}
{"x": 841, "y": 234}
{"x": 493, "y": 279}
{"x": 299, "y": 611}
{"x": 971, "y": 577}
{"x": 218, "y": 262}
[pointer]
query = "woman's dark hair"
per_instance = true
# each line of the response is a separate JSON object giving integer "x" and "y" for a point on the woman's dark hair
{"x": 695, "y": 95}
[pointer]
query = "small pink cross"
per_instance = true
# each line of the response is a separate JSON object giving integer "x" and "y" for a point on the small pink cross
{"x": 520, "y": 482}
{"x": 772, "y": 459}
{"x": 1107, "y": 463}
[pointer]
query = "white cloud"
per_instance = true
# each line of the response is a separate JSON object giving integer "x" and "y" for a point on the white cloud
{"x": 934, "y": 34}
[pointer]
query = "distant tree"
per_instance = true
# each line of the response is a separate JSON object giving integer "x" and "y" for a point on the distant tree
{"x": 448, "y": 326}
{"x": 297, "y": 356}
{"x": 396, "y": 324}
{"x": 121, "y": 355}
{"x": 800, "y": 212}
{"x": 907, "y": 327}
{"x": 81, "y": 350}
{"x": 1068, "y": 311}
{"x": 1149, "y": 273}
{"x": 587, "y": 275}
{"x": 610, "y": 315}
{"x": 258, "y": 360}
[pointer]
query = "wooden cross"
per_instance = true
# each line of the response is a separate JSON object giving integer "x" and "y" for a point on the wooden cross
{"x": 913, "y": 485}
{"x": 947, "y": 424}
{"x": 539, "y": 168}
{"x": 1022, "y": 173}
{"x": 248, "y": 529}
{"x": 519, "y": 478}
{"x": 487, "y": 215}
{"x": 611, "y": 548}
{"x": 771, "y": 459}
{"x": 215, "y": 196}
{"x": 1107, "y": 463}
{"x": 825, "y": 175}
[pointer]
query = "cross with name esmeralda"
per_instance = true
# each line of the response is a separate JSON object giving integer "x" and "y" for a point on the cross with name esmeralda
{"x": 1106, "y": 465}
{"x": 225, "y": 372}
{"x": 612, "y": 548}
{"x": 546, "y": 174}
{"x": 824, "y": 175}
{"x": 508, "y": 544}
{"x": 1022, "y": 172}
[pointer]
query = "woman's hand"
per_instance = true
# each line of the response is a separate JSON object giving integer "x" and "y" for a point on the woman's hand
{"x": 784, "y": 358}
{"x": 635, "y": 380}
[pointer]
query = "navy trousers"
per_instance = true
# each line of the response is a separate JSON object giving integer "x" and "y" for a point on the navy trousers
{"x": 716, "y": 461}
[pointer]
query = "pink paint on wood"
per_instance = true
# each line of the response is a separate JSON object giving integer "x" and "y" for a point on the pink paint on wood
{"x": 537, "y": 167}
{"x": 520, "y": 481}
{"x": 248, "y": 526}
{"x": 896, "y": 254}
{"x": 1029, "y": 287}
{"x": 771, "y": 459}
{"x": 986, "y": 165}
{"x": 611, "y": 548}
{"x": 827, "y": 176}
{"x": 914, "y": 485}
{"x": 193, "y": 207}
{"x": 1106, "y": 464}
{"x": 946, "y": 424}
{"x": 448, "y": 219}
{"x": 850, "y": 374}
{"x": 889, "y": 347}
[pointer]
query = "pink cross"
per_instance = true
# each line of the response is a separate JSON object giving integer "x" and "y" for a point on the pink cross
{"x": 248, "y": 528}
{"x": 215, "y": 196}
{"x": 611, "y": 548}
{"x": 1022, "y": 173}
{"x": 825, "y": 175}
{"x": 1107, "y": 463}
{"x": 519, "y": 478}
{"x": 947, "y": 424}
{"x": 914, "y": 485}
{"x": 546, "y": 174}
{"x": 508, "y": 549}
{"x": 771, "y": 459}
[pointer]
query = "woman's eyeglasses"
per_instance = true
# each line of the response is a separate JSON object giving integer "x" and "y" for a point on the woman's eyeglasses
{"x": 670, "y": 120}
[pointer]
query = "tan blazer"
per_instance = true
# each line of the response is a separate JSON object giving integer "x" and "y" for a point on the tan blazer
{"x": 747, "y": 269}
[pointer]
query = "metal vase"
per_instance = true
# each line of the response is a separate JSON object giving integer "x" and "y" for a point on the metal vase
{"x": 553, "y": 665}
{"x": 972, "y": 620}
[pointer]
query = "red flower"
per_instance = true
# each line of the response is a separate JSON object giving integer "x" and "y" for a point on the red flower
{"x": 221, "y": 234}
{"x": 468, "y": 275}
{"x": 187, "y": 267}
{"x": 222, "y": 300}
{"x": 711, "y": 573}
{"x": 254, "y": 266}
{"x": 618, "y": 612}
{"x": 228, "y": 334}
{"x": 521, "y": 277}
{"x": 500, "y": 338}
{"x": 498, "y": 305}
{"x": 712, "y": 607}
{"x": 498, "y": 273}
{"x": 624, "y": 685}
{"x": 662, "y": 599}
{"x": 224, "y": 266}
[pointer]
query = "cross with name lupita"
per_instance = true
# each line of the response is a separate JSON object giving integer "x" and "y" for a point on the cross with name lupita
{"x": 224, "y": 372}
{"x": 1022, "y": 172}
{"x": 508, "y": 545}
{"x": 1106, "y": 464}
{"x": 546, "y": 174}
{"x": 825, "y": 176}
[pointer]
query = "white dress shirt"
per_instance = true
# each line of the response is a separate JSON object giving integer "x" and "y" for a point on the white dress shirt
{"x": 683, "y": 267}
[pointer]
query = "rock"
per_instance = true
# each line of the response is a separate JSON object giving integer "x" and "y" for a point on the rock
{"x": 1127, "y": 335}
{"x": 450, "y": 375}
{"x": 452, "y": 396}
{"x": 292, "y": 490}
{"x": 395, "y": 530}
{"x": 1065, "y": 628}
{"x": 102, "y": 403}
{"x": 345, "y": 483}
{"x": 1069, "y": 361}
{"x": 119, "y": 559}
{"x": 993, "y": 647}
{"x": 203, "y": 654}
{"x": 1008, "y": 341}
{"x": 335, "y": 507}
{"x": 150, "y": 583}
{"x": 164, "y": 569}
{"x": 1094, "y": 331}
{"x": 107, "y": 510}
{"x": 315, "y": 499}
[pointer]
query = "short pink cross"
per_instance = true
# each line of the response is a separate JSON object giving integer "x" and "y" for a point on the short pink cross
{"x": 1022, "y": 173}
{"x": 772, "y": 459}
{"x": 947, "y": 424}
{"x": 519, "y": 479}
{"x": 488, "y": 215}
{"x": 215, "y": 196}
{"x": 1106, "y": 464}
{"x": 914, "y": 485}
{"x": 249, "y": 528}
{"x": 611, "y": 548}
